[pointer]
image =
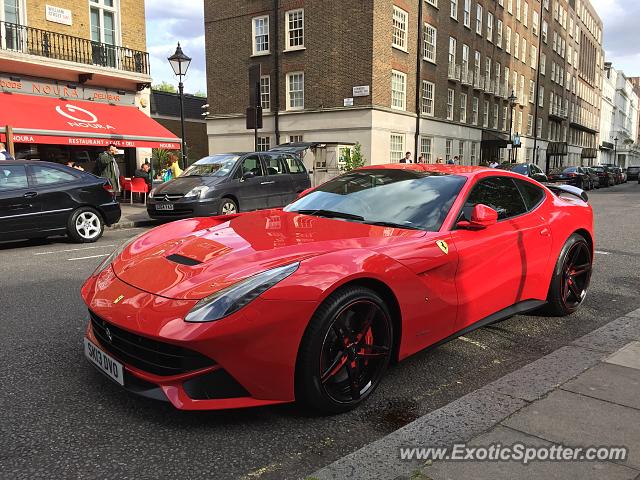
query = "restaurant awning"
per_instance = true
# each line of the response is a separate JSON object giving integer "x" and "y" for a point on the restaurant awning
{"x": 36, "y": 119}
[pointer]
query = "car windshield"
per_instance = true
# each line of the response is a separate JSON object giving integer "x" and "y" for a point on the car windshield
{"x": 397, "y": 198}
{"x": 517, "y": 167}
{"x": 599, "y": 169}
{"x": 214, "y": 166}
{"x": 570, "y": 170}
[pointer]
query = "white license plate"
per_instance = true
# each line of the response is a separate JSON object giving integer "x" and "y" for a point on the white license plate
{"x": 112, "y": 368}
{"x": 164, "y": 206}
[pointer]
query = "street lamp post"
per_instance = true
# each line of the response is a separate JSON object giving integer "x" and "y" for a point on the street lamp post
{"x": 512, "y": 104}
{"x": 615, "y": 150}
{"x": 180, "y": 64}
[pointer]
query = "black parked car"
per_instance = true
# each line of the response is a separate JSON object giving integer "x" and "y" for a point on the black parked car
{"x": 605, "y": 175}
{"x": 41, "y": 199}
{"x": 228, "y": 183}
{"x": 633, "y": 173}
{"x": 528, "y": 169}
{"x": 576, "y": 176}
{"x": 595, "y": 180}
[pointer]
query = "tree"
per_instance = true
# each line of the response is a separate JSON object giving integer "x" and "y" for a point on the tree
{"x": 200, "y": 93}
{"x": 352, "y": 158}
{"x": 164, "y": 87}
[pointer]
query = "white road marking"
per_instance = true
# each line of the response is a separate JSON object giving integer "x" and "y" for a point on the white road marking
{"x": 88, "y": 258}
{"x": 473, "y": 342}
{"x": 600, "y": 252}
{"x": 74, "y": 250}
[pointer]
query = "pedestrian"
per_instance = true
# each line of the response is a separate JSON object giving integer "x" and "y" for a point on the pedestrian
{"x": 75, "y": 165}
{"x": 107, "y": 167}
{"x": 143, "y": 172}
{"x": 407, "y": 158}
{"x": 494, "y": 164}
{"x": 421, "y": 159}
{"x": 174, "y": 166}
{"x": 439, "y": 161}
{"x": 4, "y": 155}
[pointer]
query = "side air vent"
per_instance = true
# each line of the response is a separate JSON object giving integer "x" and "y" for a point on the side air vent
{"x": 182, "y": 260}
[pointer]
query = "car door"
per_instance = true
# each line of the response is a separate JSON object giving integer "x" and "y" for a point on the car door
{"x": 251, "y": 192}
{"x": 494, "y": 262}
{"x": 57, "y": 196}
{"x": 299, "y": 176}
{"x": 279, "y": 182}
{"x": 18, "y": 210}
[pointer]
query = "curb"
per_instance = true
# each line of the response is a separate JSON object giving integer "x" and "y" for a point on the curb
{"x": 133, "y": 224}
{"x": 479, "y": 411}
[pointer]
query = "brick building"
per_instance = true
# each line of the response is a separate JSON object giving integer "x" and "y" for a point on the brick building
{"x": 432, "y": 77}
{"x": 74, "y": 77}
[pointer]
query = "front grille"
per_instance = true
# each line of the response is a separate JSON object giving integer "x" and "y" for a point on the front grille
{"x": 148, "y": 355}
{"x": 171, "y": 197}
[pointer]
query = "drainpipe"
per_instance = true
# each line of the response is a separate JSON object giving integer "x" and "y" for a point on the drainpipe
{"x": 537, "y": 99}
{"x": 276, "y": 58}
{"x": 418, "y": 80}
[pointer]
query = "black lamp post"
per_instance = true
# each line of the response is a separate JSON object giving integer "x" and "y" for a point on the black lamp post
{"x": 512, "y": 104}
{"x": 615, "y": 150}
{"x": 180, "y": 64}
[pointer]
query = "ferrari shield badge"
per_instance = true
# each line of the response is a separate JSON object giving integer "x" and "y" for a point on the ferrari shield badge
{"x": 443, "y": 246}
{"x": 119, "y": 299}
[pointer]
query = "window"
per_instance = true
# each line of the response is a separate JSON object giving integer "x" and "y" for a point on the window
{"x": 49, "y": 176}
{"x": 433, "y": 2}
{"x": 13, "y": 177}
{"x": 543, "y": 64}
{"x": 519, "y": 122}
{"x": 294, "y": 165}
{"x": 465, "y": 63}
{"x": 518, "y": 10}
{"x": 490, "y": 27}
{"x": 499, "y": 193}
{"x": 400, "y": 25}
{"x": 510, "y": 6}
{"x": 275, "y": 164}
{"x": 425, "y": 148}
{"x": 460, "y": 152}
{"x": 545, "y": 31}
{"x": 467, "y": 13}
{"x": 473, "y": 153}
{"x": 525, "y": 14}
{"x": 532, "y": 91}
{"x": 534, "y": 57}
{"x": 541, "y": 96}
{"x": 524, "y": 51}
{"x": 532, "y": 194}
{"x": 265, "y": 92}
{"x": 479, "y": 20}
{"x": 252, "y": 164}
{"x": 427, "y": 98}
{"x": 499, "y": 34}
{"x": 536, "y": 23}
{"x": 529, "y": 124}
{"x": 539, "y": 127}
{"x": 496, "y": 113}
{"x": 448, "y": 149}
{"x": 430, "y": 41}
{"x": 296, "y": 138}
{"x": 516, "y": 46}
{"x": 504, "y": 118}
{"x": 485, "y": 114}
{"x": 450, "y": 102}
{"x": 104, "y": 23}
{"x": 261, "y": 35}
{"x": 264, "y": 144}
{"x": 507, "y": 46}
{"x": 454, "y": 9}
{"x": 398, "y": 90}
{"x": 397, "y": 147}
{"x": 295, "y": 29}
{"x": 474, "y": 111}
{"x": 295, "y": 91}
{"x": 463, "y": 108}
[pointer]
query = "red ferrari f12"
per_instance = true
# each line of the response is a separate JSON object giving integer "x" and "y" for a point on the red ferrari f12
{"x": 312, "y": 302}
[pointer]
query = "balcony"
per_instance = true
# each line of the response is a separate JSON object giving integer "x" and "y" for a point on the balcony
{"x": 454, "y": 72}
{"x": 57, "y": 46}
{"x": 467, "y": 76}
{"x": 558, "y": 112}
{"x": 583, "y": 123}
{"x": 478, "y": 83}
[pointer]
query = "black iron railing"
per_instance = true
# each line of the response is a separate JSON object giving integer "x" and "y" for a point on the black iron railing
{"x": 43, "y": 43}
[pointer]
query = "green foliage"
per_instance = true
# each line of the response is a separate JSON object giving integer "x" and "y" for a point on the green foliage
{"x": 201, "y": 94}
{"x": 351, "y": 158}
{"x": 164, "y": 87}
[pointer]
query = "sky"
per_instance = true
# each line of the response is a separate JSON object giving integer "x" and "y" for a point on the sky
{"x": 173, "y": 21}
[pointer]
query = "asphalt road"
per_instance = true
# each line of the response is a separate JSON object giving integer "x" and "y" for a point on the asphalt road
{"x": 62, "y": 419}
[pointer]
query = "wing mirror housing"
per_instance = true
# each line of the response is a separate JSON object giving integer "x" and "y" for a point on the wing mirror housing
{"x": 248, "y": 175}
{"x": 481, "y": 218}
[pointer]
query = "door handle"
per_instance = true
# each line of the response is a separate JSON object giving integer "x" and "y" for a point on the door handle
{"x": 30, "y": 194}
{"x": 267, "y": 183}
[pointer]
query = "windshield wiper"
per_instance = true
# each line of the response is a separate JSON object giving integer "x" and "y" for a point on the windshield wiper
{"x": 332, "y": 214}
{"x": 392, "y": 225}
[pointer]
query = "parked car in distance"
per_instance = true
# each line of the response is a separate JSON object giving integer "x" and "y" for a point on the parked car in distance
{"x": 616, "y": 172}
{"x": 605, "y": 175}
{"x": 576, "y": 176}
{"x": 624, "y": 175}
{"x": 41, "y": 199}
{"x": 530, "y": 170}
{"x": 595, "y": 180}
{"x": 633, "y": 172}
{"x": 228, "y": 183}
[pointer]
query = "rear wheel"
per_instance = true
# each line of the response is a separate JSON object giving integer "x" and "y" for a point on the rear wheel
{"x": 571, "y": 277}
{"x": 227, "y": 207}
{"x": 85, "y": 225}
{"x": 345, "y": 351}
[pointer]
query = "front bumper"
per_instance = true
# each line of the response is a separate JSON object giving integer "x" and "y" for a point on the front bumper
{"x": 252, "y": 353}
{"x": 184, "y": 208}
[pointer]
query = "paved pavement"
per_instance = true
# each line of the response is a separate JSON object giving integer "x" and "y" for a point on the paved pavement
{"x": 62, "y": 419}
{"x": 134, "y": 216}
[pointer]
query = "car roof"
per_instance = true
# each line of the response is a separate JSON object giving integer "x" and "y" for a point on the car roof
{"x": 31, "y": 162}
{"x": 464, "y": 170}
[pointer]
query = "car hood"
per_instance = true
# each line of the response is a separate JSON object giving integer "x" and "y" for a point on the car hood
{"x": 183, "y": 185}
{"x": 194, "y": 258}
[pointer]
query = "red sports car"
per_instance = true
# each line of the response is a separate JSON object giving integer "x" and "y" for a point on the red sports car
{"x": 311, "y": 303}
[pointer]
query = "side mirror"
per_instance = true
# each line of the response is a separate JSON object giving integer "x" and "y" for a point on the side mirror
{"x": 539, "y": 177}
{"x": 481, "y": 218}
{"x": 248, "y": 175}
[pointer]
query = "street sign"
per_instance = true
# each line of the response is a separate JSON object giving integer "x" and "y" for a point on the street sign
{"x": 348, "y": 102}
{"x": 516, "y": 141}
{"x": 362, "y": 91}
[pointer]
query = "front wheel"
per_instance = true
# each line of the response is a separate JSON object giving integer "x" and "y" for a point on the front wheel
{"x": 85, "y": 225}
{"x": 571, "y": 277}
{"x": 345, "y": 351}
{"x": 227, "y": 207}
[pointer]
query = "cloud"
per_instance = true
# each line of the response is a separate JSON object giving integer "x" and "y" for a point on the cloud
{"x": 621, "y": 35}
{"x": 170, "y": 22}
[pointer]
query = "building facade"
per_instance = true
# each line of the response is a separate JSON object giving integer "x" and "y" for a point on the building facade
{"x": 431, "y": 77}
{"x": 619, "y": 123}
{"x": 74, "y": 77}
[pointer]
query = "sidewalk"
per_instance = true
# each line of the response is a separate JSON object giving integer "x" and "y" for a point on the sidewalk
{"x": 584, "y": 394}
{"x": 134, "y": 216}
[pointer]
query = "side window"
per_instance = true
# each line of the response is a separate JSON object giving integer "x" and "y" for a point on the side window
{"x": 295, "y": 165}
{"x": 13, "y": 177}
{"x": 50, "y": 176}
{"x": 250, "y": 164}
{"x": 275, "y": 165}
{"x": 532, "y": 194}
{"x": 499, "y": 193}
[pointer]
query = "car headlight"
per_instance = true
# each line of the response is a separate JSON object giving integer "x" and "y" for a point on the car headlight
{"x": 152, "y": 193}
{"x": 231, "y": 299}
{"x": 197, "y": 192}
{"x": 107, "y": 261}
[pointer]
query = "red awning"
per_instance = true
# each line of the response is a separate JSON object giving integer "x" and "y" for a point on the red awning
{"x": 55, "y": 121}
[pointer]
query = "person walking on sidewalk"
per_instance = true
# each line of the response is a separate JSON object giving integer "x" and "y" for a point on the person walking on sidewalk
{"x": 174, "y": 166}
{"x": 4, "y": 155}
{"x": 107, "y": 167}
